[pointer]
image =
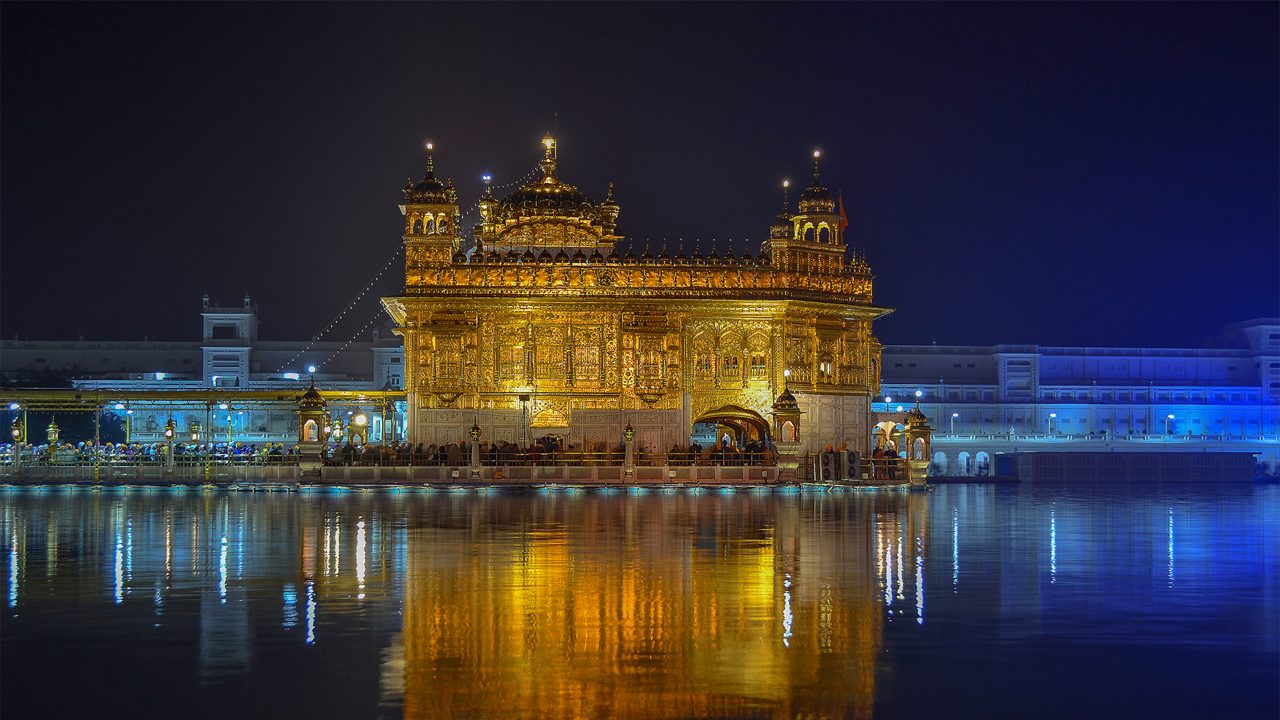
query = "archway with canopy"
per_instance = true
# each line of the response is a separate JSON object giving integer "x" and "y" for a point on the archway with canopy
{"x": 739, "y": 424}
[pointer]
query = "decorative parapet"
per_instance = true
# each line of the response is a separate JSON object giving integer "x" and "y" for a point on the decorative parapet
{"x": 512, "y": 277}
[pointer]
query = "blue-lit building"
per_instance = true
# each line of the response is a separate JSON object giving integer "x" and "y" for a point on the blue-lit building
{"x": 229, "y": 354}
{"x": 983, "y": 400}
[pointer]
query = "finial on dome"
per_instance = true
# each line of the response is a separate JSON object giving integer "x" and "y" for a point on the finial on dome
{"x": 609, "y": 195}
{"x": 430, "y": 147}
{"x": 549, "y": 155}
{"x": 786, "y": 194}
{"x": 817, "y": 155}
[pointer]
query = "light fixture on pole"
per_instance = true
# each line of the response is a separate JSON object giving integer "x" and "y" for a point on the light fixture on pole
{"x": 1167, "y": 418}
{"x": 15, "y": 430}
{"x": 953, "y": 422}
{"x": 170, "y": 431}
{"x": 1051, "y": 417}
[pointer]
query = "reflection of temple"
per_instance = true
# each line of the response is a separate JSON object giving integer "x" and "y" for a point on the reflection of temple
{"x": 662, "y": 607}
{"x": 548, "y": 327}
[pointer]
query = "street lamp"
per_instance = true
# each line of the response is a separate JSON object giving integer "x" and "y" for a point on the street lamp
{"x": 1167, "y": 418}
{"x": 1051, "y": 417}
{"x": 195, "y": 432}
{"x": 15, "y": 430}
{"x": 170, "y": 431}
{"x": 953, "y": 422}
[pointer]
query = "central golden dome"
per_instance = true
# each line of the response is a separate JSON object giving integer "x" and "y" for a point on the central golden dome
{"x": 549, "y": 212}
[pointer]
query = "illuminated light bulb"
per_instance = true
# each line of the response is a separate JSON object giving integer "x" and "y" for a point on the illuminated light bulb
{"x": 430, "y": 145}
{"x": 817, "y": 154}
{"x": 786, "y": 183}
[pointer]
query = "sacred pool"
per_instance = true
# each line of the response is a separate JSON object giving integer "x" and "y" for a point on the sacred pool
{"x": 1030, "y": 601}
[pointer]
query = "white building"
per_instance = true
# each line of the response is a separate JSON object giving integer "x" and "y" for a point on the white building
{"x": 987, "y": 399}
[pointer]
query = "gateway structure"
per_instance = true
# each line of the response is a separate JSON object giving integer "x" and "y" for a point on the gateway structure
{"x": 546, "y": 326}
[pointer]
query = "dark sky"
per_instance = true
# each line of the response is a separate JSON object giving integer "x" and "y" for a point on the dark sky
{"x": 1051, "y": 173}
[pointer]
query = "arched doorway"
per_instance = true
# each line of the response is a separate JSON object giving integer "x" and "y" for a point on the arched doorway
{"x": 736, "y": 424}
{"x": 963, "y": 465}
{"x": 982, "y": 463}
{"x": 940, "y": 462}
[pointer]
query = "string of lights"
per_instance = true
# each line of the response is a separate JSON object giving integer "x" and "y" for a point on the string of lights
{"x": 374, "y": 318}
{"x": 343, "y": 313}
{"x": 474, "y": 207}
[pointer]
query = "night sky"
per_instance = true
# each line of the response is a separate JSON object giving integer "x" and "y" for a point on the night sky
{"x": 1062, "y": 174}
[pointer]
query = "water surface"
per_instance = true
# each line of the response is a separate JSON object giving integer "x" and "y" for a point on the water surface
{"x": 971, "y": 601}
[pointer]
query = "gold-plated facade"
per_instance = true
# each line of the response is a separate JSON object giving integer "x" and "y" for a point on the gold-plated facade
{"x": 548, "y": 327}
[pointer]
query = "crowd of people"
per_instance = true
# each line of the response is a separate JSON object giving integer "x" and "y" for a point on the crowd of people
{"x": 549, "y": 450}
{"x": 87, "y": 453}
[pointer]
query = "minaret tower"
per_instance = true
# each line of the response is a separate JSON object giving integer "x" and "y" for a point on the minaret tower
{"x": 814, "y": 243}
{"x": 431, "y": 220}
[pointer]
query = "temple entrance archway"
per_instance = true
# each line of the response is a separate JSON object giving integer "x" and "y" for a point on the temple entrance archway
{"x": 738, "y": 423}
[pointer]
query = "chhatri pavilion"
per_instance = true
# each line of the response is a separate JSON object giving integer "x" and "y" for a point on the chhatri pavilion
{"x": 549, "y": 326}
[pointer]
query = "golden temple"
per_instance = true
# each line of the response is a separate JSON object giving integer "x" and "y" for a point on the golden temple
{"x": 547, "y": 327}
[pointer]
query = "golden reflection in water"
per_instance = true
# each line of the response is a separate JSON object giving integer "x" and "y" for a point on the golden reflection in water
{"x": 671, "y": 607}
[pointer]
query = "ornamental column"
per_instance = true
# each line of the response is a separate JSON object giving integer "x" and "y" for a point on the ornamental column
{"x": 786, "y": 432}
{"x": 475, "y": 450}
{"x": 629, "y": 462}
{"x": 313, "y": 432}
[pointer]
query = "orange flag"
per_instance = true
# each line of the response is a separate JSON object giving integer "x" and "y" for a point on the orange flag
{"x": 844, "y": 219}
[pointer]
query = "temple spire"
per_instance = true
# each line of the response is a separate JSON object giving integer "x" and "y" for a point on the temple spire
{"x": 431, "y": 164}
{"x": 786, "y": 195}
{"x": 817, "y": 156}
{"x": 549, "y": 156}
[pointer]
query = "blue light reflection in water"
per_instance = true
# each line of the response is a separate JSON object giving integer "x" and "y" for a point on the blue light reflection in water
{"x": 565, "y": 603}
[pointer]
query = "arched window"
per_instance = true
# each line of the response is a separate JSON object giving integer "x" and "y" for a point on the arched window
{"x": 824, "y": 234}
{"x": 808, "y": 233}
{"x": 788, "y": 431}
{"x": 309, "y": 432}
{"x": 442, "y": 225}
{"x": 431, "y": 226}
{"x": 417, "y": 226}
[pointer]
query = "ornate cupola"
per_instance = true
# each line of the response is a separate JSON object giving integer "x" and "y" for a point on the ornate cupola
{"x": 813, "y": 243}
{"x": 816, "y": 198}
{"x": 431, "y": 219}
{"x": 550, "y": 213}
{"x": 609, "y": 213}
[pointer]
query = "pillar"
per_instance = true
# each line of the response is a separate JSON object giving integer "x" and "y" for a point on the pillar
{"x": 629, "y": 463}
{"x": 475, "y": 450}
